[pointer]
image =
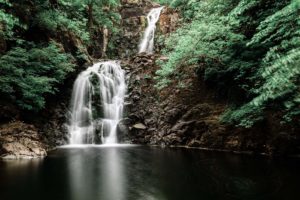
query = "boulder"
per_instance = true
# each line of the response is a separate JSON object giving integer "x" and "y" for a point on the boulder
{"x": 139, "y": 126}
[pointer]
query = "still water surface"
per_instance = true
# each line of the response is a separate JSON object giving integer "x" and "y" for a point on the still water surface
{"x": 148, "y": 173}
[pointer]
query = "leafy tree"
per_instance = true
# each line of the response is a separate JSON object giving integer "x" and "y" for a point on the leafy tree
{"x": 251, "y": 46}
{"x": 33, "y": 65}
{"x": 278, "y": 77}
{"x": 30, "y": 72}
{"x": 7, "y": 21}
{"x": 200, "y": 41}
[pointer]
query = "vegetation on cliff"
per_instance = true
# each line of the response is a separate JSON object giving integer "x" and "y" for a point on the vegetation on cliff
{"x": 249, "y": 50}
{"x": 246, "y": 51}
{"x": 41, "y": 41}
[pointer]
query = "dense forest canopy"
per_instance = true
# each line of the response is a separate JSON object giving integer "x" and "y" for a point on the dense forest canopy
{"x": 244, "y": 48}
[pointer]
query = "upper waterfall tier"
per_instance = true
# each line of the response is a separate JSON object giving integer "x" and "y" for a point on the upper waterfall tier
{"x": 97, "y": 104}
{"x": 147, "y": 43}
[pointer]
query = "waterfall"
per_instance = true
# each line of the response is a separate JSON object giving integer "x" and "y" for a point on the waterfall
{"x": 97, "y": 104}
{"x": 98, "y": 96}
{"x": 147, "y": 43}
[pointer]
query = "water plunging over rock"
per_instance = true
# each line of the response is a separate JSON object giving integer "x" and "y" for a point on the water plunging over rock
{"x": 97, "y": 104}
{"x": 147, "y": 44}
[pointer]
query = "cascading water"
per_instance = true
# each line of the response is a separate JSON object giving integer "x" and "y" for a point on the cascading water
{"x": 97, "y": 104}
{"x": 98, "y": 95}
{"x": 147, "y": 44}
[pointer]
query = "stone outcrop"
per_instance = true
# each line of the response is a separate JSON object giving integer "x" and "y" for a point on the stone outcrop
{"x": 20, "y": 140}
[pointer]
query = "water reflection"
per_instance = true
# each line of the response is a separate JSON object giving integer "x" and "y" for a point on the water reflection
{"x": 12, "y": 165}
{"x": 145, "y": 173}
{"x": 113, "y": 181}
{"x": 98, "y": 177}
{"x": 16, "y": 173}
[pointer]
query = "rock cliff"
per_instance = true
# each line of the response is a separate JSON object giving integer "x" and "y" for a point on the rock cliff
{"x": 190, "y": 116}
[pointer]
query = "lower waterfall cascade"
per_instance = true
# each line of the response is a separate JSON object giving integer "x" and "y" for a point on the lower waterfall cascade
{"x": 97, "y": 104}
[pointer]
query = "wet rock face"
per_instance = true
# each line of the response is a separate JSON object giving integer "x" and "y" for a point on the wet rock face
{"x": 19, "y": 140}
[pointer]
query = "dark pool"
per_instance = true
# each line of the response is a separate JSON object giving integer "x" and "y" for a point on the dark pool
{"x": 148, "y": 173}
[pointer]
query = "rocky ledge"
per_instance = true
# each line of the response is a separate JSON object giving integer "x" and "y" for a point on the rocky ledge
{"x": 20, "y": 141}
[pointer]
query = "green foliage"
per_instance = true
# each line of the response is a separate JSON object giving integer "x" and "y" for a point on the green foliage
{"x": 7, "y": 21}
{"x": 250, "y": 45}
{"x": 200, "y": 40}
{"x": 30, "y": 72}
{"x": 101, "y": 13}
{"x": 53, "y": 20}
{"x": 79, "y": 17}
{"x": 279, "y": 73}
{"x": 245, "y": 116}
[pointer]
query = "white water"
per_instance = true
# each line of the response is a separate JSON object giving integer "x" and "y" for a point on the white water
{"x": 105, "y": 82}
{"x": 147, "y": 44}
